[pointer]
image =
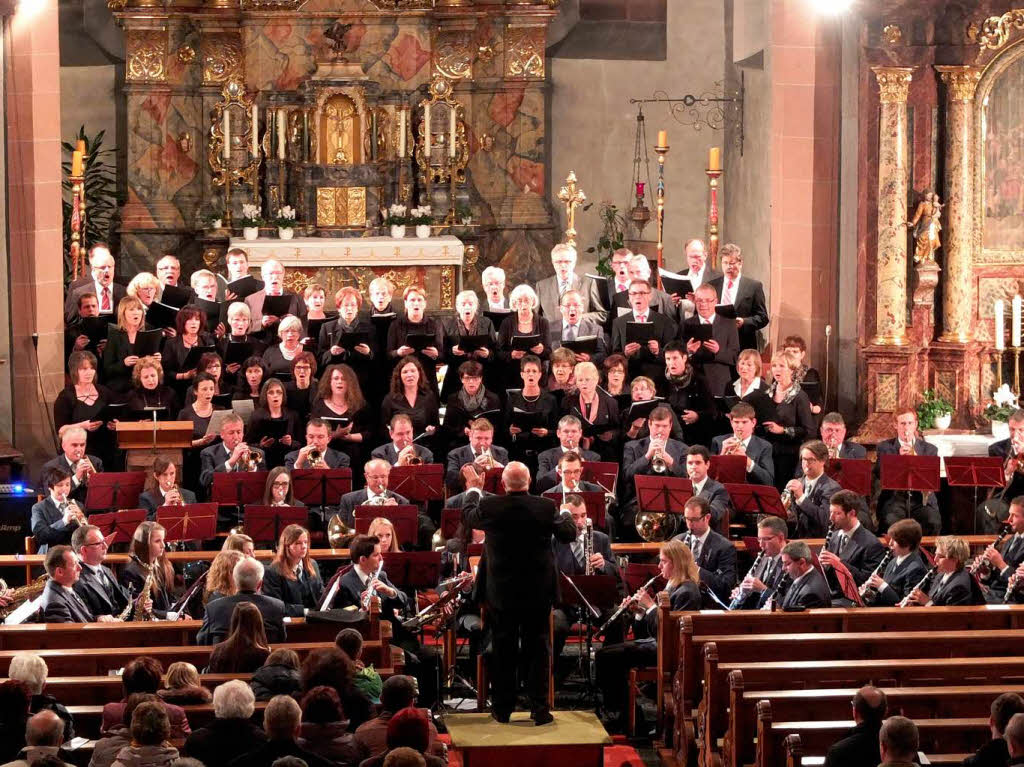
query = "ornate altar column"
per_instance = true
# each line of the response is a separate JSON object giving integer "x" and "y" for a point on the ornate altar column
{"x": 891, "y": 261}
{"x": 957, "y": 299}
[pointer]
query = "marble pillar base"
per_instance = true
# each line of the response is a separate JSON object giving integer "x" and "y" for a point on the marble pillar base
{"x": 954, "y": 372}
{"x": 891, "y": 375}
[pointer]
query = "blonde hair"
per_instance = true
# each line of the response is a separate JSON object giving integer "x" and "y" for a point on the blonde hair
{"x": 954, "y": 547}
{"x": 791, "y": 362}
{"x": 378, "y": 522}
{"x": 125, "y": 305}
{"x": 220, "y": 578}
{"x": 289, "y": 322}
{"x": 145, "y": 280}
{"x": 588, "y": 368}
{"x": 684, "y": 568}
{"x": 181, "y": 675}
{"x": 751, "y": 355}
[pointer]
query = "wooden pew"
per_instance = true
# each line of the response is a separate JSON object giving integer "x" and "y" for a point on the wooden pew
{"x": 100, "y": 661}
{"x": 777, "y": 739}
{"x": 952, "y": 702}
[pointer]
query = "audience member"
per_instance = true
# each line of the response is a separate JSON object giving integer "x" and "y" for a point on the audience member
{"x": 183, "y": 686}
{"x": 282, "y": 723}
{"x": 144, "y": 674}
{"x": 44, "y": 735}
{"x": 898, "y": 742}
{"x": 279, "y": 675}
{"x": 246, "y": 647}
{"x": 232, "y": 731}
{"x": 995, "y": 753}
{"x": 150, "y": 731}
{"x": 31, "y": 669}
{"x": 860, "y": 745}
{"x": 108, "y": 747}
{"x": 398, "y": 693}
{"x": 325, "y": 729}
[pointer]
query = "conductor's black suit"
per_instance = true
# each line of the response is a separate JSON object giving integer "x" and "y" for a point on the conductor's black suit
{"x": 519, "y": 588}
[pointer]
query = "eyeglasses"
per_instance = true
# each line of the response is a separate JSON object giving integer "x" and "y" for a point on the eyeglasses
{"x": 639, "y": 292}
{"x": 98, "y": 543}
{"x": 282, "y": 483}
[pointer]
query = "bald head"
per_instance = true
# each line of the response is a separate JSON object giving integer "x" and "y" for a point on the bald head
{"x": 515, "y": 477}
{"x": 44, "y": 729}
{"x": 869, "y": 706}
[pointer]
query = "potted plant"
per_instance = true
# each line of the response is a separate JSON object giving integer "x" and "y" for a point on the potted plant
{"x": 934, "y": 412}
{"x": 999, "y": 410}
{"x": 613, "y": 232}
{"x": 422, "y": 219}
{"x": 213, "y": 220}
{"x": 396, "y": 218}
{"x": 251, "y": 221}
{"x": 285, "y": 222}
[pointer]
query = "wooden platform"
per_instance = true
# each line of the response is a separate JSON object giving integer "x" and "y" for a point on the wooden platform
{"x": 574, "y": 739}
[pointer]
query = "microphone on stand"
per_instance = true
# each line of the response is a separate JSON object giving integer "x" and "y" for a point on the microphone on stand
{"x": 828, "y": 369}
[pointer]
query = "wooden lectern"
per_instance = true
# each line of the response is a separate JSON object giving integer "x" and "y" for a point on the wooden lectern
{"x": 145, "y": 441}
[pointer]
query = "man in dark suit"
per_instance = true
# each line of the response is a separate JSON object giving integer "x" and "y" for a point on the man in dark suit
{"x": 713, "y": 553}
{"x": 906, "y": 568}
{"x": 376, "y": 493}
{"x": 995, "y": 753}
{"x": 743, "y": 293}
{"x": 647, "y": 359}
{"x": 569, "y": 559}
{"x": 992, "y": 513}
{"x": 699, "y": 273}
{"x": 639, "y": 268}
{"x": 569, "y": 433}
{"x": 272, "y": 272}
{"x": 833, "y": 434}
{"x": 248, "y": 577}
{"x": 572, "y": 325}
{"x": 808, "y": 588}
{"x": 401, "y": 450}
{"x": 519, "y": 583}
{"x": 568, "y": 478}
{"x": 852, "y": 545}
{"x": 227, "y": 454}
{"x": 809, "y": 509}
{"x": 859, "y": 746}
{"x": 762, "y": 580}
{"x": 638, "y": 458}
{"x": 903, "y": 504}
{"x": 55, "y": 518}
{"x": 1002, "y": 564}
{"x": 74, "y": 461}
{"x": 611, "y": 287}
{"x": 97, "y": 585}
{"x": 318, "y": 437}
{"x": 714, "y": 359}
{"x": 481, "y": 450}
{"x": 698, "y": 461}
{"x": 102, "y": 284}
{"x": 551, "y": 289}
{"x": 60, "y": 603}
{"x": 760, "y": 466}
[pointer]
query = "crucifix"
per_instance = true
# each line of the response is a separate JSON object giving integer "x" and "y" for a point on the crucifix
{"x": 572, "y": 196}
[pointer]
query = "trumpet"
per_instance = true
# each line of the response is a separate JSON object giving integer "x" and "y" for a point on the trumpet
{"x": 250, "y": 460}
{"x": 87, "y": 464}
{"x": 868, "y": 594}
{"x": 409, "y": 456}
{"x": 379, "y": 500}
{"x": 77, "y": 515}
{"x": 833, "y": 451}
{"x": 485, "y": 460}
{"x": 315, "y": 460}
{"x": 173, "y": 497}
{"x": 371, "y": 592}
{"x": 733, "y": 446}
{"x": 922, "y": 584}
{"x": 787, "y": 497}
{"x": 626, "y": 605}
{"x": 658, "y": 464}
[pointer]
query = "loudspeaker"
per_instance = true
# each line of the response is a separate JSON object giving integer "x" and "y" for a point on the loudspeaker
{"x": 15, "y": 518}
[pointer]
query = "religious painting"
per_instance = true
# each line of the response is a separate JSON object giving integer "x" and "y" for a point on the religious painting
{"x": 1003, "y": 141}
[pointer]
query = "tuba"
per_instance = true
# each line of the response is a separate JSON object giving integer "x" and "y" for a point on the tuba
{"x": 653, "y": 526}
{"x": 338, "y": 533}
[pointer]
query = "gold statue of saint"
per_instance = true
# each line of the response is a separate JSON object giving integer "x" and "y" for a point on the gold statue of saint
{"x": 926, "y": 225}
{"x": 339, "y": 130}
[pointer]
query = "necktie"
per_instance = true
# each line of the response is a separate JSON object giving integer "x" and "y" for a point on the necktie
{"x": 1011, "y": 549}
{"x": 642, "y": 318}
{"x": 696, "y": 549}
{"x": 577, "y": 551}
{"x": 105, "y": 306}
{"x": 842, "y": 543}
{"x": 570, "y": 332}
{"x": 729, "y": 296}
{"x": 562, "y": 287}
{"x": 621, "y": 287}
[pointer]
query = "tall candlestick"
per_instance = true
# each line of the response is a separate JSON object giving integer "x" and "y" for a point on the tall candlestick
{"x": 282, "y": 130}
{"x": 76, "y": 164}
{"x": 227, "y": 136}
{"x": 255, "y": 131}
{"x": 1016, "y": 320}
{"x": 715, "y": 158}
{"x": 1000, "y": 325}
{"x": 401, "y": 133}
{"x": 662, "y": 138}
{"x": 451, "y": 142}
{"x": 426, "y": 133}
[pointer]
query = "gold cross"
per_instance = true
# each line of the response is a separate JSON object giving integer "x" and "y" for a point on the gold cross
{"x": 572, "y": 196}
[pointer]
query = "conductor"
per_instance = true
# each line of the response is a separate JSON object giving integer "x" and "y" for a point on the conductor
{"x": 519, "y": 583}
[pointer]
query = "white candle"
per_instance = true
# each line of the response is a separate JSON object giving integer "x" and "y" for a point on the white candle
{"x": 1016, "y": 320}
{"x": 451, "y": 142}
{"x": 255, "y": 131}
{"x": 282, "y": 129}
{"x": 401, "y": 133}
{"x": 1000, "y": 325}
{"x": 426, "y": 131}
{"x": 227, "y": 136}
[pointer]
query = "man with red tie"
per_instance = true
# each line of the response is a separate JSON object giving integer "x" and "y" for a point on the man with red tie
{"x": 102, "y": 284}
{"x": 745, "y": 294}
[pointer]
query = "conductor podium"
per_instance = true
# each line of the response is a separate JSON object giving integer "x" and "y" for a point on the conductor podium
{"x": 575, "y": 739}
{"x": 145, "y": 441}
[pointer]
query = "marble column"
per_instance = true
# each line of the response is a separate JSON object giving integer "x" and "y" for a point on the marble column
{"x": 891, "y": 260}
{"x": 959, "y": 234}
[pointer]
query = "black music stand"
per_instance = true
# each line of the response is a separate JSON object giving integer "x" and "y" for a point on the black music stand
{"x": 756, "y": 499}
{"x": 265, "y": 523}
{"x": 728, "y": 468}
{"x": 120, "y": 524}
{"x": 415, "y": 570}
{"x": 593, "y": 499}
{"x": 603, "y": 473}
{"x": 852, "y": 474}
{"x": 421, "y": 483}
{"x": 237, "y": 488}
{"x": 403, "y": 517}
{"x": 193, "y": 522}
{"x": 591, "y": 595}
{"x": 975, "y": 471}
{"x": 114, "y": 490}
{"x": 321, "y": 487}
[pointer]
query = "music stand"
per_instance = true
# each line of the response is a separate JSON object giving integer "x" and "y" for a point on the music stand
{"x": 145, "y": 441}
{"x": 728, "y": 468}
{"x": 911, "y": 473}
{"x": 265, "y": 523}
{"x": 852, "y": 474}
{"x": 975, "y": 471}
{"x": 450, "y": 521}
{"x": 321, "y": 487}
{"x": 603, "y": 473}
{"x": 421, "y": 483}
{"x": 756, "y": 499}
{"x": 492, "y": 481}
{"x": 404, "y": 518}
{"x": 237, "y": 488}
{"x": 194, "y": 522}
{"x": 636, "y": 574}
{"x": 591, "y": 595}
{"x": 662, "y": 494}
{"x": 593, "y": 499}
{"x": 414, "y": 570}
{"x": 120, "y": 524}
{"x": 114, "y": 490}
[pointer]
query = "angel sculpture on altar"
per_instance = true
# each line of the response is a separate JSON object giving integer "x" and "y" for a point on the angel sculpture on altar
{"x": 926, "y": 225}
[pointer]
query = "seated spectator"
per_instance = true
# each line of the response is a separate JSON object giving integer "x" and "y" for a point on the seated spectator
{"x": 898, "y": 742}
{"x": 1015, "y": 740}
{"x": 107, "y": 748}
{"x": 995, "y": 753}
{"x": 143, "y": 674}
{"x": 150, "y": 731}
{"x": 183, "y": 687}
{"x": 404, "y": 757}
{"x": 398, "y": 694}
{"x": 220, "y": 581}
{"x": 279, "y": 675}
{"x": 232, "y": 731}
{"x": 15, "y": 698}
{"x": 860, "y": 745}
{"x": 246, "y": 648}
{"x": 44, "y": 734}
{"x": 366, "y": 680}
{"x": 408, "y": 728}
{"x": 282, "y": 721}
{"x": 31, "y": 669}
{"x": 330, "y": 666}
{"x": 324, "y": 729}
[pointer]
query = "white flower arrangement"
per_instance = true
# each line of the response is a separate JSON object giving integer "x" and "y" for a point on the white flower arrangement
{"x": 396, "y": 215}
{"x": 421, "y": 215}
{"x": 1003, "y": 403}
{"x": 250, "y": 216}
{"x": 285, "y": 217}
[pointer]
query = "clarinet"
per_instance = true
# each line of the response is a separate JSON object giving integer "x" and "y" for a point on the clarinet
{"x": 868, "y": 595}
{"x": 741, "y": 594}
{"x": 829, "y": 533}
{"x": 588, "y": 547}
{"x": 628, "y": 603}
{"x": 1012, "y": 583}
{"x": 777, "y": 593}
{"x": 980, "y": 566}
{"x": 923, "y": 584}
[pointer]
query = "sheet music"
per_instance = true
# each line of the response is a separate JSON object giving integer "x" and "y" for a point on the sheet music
{"x": 325, "y": 604}
{"x": 24, "y": 612}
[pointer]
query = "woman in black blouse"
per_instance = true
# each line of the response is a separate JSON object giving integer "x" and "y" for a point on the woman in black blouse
{"x": 793, "y": 422}
{"x": 81, "y": 403}
{"x": 616, "y": 373}
{"x": 524, "y": 321}
{"x": 250, "y": 380}
{"x": 189, "y": 325}
{"x": 149, "y": 392}
{"x": 119, "y": 355}
{"x": 468, "y": 404}
{"x": 269, "y": 418}
{"x": 597, "y": 410}
{"x": 147, "y": 556}
{"x": 415, "y": 322}
{"x": 239, "y": 319}
{"x": 335, "y": 349}
{"x": 339, "y": 396}
{"x": 808, "y": 378}
{"x": 293, "y": 576}
{"x": 561, "y": 381}
{"x": 531, "y": 399}
{"x": 468, "y": 321}
{"x": 277, "y": 359}
{"x": 210, "y": 363}
{"x": 301, "y": 390}
{"x": 410, "y": 394}
{"x": 199, "y": 413}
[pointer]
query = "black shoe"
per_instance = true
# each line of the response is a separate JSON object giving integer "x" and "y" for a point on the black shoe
{"x": 501, "y": 717}
{"x": 542, "y": 717}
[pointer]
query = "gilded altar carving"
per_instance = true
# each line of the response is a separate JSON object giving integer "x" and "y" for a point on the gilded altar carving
{"x": 893, "y": 83}
{"x": 524, "y": 51}
{"x": 271, "y": 5}
{"x": 402, "y": 5}
{"x": 341, "y": 206}
{"x": 995, "y": 31}
{"x": 401, "y": 279}
{"x": 296, "y": 280}
{"x": 211, "y": 257}
{"x": 222, "y": 57}
{"x": 453, "y": 55}
{"x": 892, "y": 34}
{"x": 448, "y": 287}
{"x": 186, "y": 54}
{"x": 146, "y": 52}
{"x": 961, "y": 81}
{"x": 339, "y": 124}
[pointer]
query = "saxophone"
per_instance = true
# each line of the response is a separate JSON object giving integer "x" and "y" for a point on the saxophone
{"x": 20, "y": 595}
{"x": 139, "y": 613}
{"x": 588, "y": 547}
{"x": 128, "y": 608}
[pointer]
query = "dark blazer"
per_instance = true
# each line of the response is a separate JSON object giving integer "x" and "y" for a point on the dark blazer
{"x": 643, "y": 362}
{"x": 718, "y": 497}
{"x": 566, "y": 561}
{"x": 294, "y": 593}
{"x": 634, "y": 461}
{"x": 48, "y": 526}
{"x": 60, "y": 606}
{"x": 588, "y": 327}
{"x": 219, "y": 742}
{"x": 811, "y": 591}
{"x": 519, "y": 565}
{"x": 332, "y": 332}
{"x": 349, "y": 501}
{"x": 103, "y": 595}
{"x": 151, "y": 500}
{"x": 78, "y": 490}
{"x": 709, "y": 276}
{"x": 296, "y": 306}
{"x": 217, "y": 621}
{"x": 335, "y": 459}
{"x": 547, "y": 461}
{"x": 892, "y": 447}
{"x": 852, "y": 450}
{"x": 760, "y": 452}
{"x": 388, "y": 453}
{"x": 685, "y": 596}
{"x": 717, "y": 562}
{"x": 750, "y": 305}
{"x": 858, "y": 748}
{"x": 901, "y": 579}
{"x": 812, "y": 511}
{"x": 693, "y": 395}
{"x": 993, "y": 754}
{"x": 861, "y": 554}
{"x": 460, "y": 456}
{"x": 510, "y": 329}
{"x": 213, "y": 459}
{"x": 117, "y": 292}
{"x": 350, "y": 592}
{"x": 116, "y": 375}
{"x": 956, "y": 591}
{"x": 719, "y": 369}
